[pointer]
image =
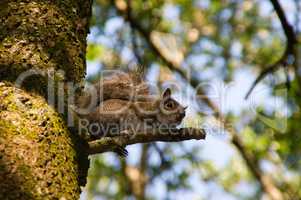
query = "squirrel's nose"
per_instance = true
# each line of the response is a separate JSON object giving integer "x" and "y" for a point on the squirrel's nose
{"x": 182, "y": 114}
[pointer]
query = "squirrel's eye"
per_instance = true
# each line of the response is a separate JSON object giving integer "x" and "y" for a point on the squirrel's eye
{"x": 169, "y": 105}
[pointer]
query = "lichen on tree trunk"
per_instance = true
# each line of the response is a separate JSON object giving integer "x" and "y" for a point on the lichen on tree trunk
{"x": 39, "y": 157}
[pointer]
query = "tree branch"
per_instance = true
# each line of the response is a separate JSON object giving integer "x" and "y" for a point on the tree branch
{"x": 285, "y": 59}
{"x": 106, "y": 144}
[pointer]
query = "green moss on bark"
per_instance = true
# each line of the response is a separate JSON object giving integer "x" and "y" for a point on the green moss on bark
{"x": 37, "y": 155}
{"x": 43, "y": 35}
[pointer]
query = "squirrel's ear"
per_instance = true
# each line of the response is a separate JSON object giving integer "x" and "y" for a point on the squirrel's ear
{"x": 167, "y": 93}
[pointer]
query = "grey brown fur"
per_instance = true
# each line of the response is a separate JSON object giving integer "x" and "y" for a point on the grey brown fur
{"x": 124, "y": 101}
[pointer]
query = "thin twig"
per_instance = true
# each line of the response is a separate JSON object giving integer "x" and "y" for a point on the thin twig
{"x": 289, "y": 51}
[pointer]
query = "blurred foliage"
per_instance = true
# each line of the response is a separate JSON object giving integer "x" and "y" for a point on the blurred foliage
{"x": 218, "y": 39}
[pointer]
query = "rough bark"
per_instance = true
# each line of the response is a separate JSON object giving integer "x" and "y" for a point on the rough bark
{"x": 39, "y": 157}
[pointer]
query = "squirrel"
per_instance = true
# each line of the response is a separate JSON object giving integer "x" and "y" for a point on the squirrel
{"x": 123, "y": 104}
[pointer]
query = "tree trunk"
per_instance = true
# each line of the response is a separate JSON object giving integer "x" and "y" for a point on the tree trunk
{"x": 39, "y": 157}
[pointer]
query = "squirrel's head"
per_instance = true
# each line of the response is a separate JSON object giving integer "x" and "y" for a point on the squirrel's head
{"x": 170, "y": 112}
